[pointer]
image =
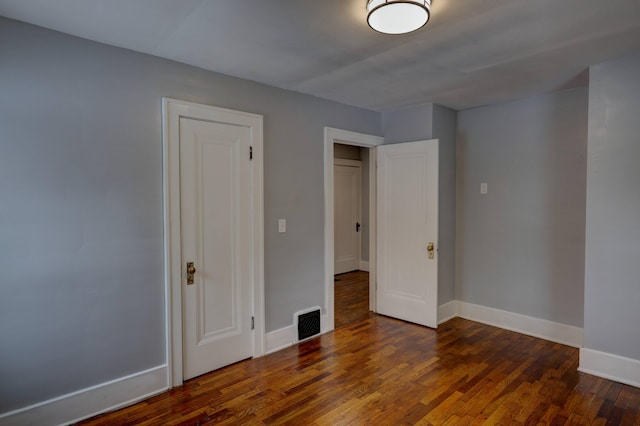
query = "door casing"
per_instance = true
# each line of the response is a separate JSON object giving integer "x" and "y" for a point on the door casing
{"x": 172, "y": 111}
{"x": 345, "y": 137}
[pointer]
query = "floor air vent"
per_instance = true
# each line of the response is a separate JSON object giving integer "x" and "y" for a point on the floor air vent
{"x": 308, "y": 323}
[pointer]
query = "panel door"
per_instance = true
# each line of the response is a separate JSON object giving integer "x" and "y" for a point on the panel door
{"x": 215, "y": 188}
{"x": 346, "y": 218}
{"x": 407, "y": 227}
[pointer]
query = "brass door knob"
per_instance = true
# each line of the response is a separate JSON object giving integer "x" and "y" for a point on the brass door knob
{"x": 430, "y": 250}
{"x": 191, "y": 270}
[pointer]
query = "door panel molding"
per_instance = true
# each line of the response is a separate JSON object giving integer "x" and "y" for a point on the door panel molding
{"x": 331, "y": 137}
{"x": 172, "y": 111}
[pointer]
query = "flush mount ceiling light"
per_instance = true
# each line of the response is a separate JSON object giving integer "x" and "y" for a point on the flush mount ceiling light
{"x": 397, "y": 16}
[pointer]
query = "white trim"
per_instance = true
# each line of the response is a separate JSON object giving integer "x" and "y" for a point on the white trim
{"x": 280, "y": 339}
{"x": 447, "y": 311}
{"x": 364, "y": 265}
{"x": 610, "y": 366}
{"x": 347, "y": 137}
{"x": 91, "y": 401}
{"x": 287, "y": 336}
{"x": 536, "y": 327}
{"x": 257, "y": 201}
{"x": 373, "y": 228}
{"x": 332, "y": 136}
{"x": 172, "y": 111}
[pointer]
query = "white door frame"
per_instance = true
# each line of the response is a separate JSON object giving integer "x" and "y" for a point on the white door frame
{"x": 345, "y": 137}
{"x": 172, "y": 111}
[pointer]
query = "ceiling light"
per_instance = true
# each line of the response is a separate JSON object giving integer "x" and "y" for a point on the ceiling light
{"x": 397, "y": 16}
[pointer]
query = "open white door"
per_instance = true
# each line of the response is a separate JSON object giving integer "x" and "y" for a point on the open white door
{"x": 408, "y": 231}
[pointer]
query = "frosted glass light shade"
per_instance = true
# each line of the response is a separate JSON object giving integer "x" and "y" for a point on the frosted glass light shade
{"x": 398, "y": 16}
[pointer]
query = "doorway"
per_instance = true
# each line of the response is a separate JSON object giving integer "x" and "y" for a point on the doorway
{"x": 213, "y": 211}
{"x": 357, "y": 141}
{"x": 351, "y": 297}
{"x": 351, "y": 233}
{"x": 406, "y": 165}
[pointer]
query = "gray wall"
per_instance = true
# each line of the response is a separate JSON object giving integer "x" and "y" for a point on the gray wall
{"x": 444, "y": 128}
{"x": 521, "y": 246}
{"x": 81, "y": 300}
{"x": 406, "y": 125}
{"x": 612, "y": 272}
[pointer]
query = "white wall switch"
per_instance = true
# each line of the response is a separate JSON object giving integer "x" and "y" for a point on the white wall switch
{"x": 282, "y": 225}
{"x": 484, "y": 188}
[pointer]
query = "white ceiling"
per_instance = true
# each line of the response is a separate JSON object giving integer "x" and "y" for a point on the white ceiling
{"x": 472, "y": 52}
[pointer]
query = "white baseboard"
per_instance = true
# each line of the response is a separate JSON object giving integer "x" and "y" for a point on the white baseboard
{"x": 91, "y": 401}
{"x": 447, "y": 311}
{"x": 364, "y": 266}
{"x": 280, "y": 339}
{"x": 287, "y": 336}
{"x": 610, "y": 366}
{"x": 536, "y": 327}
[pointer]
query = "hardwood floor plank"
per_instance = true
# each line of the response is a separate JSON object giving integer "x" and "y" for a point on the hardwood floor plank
{"x": 383, "y": 371}
{"x": 351, "y": 299}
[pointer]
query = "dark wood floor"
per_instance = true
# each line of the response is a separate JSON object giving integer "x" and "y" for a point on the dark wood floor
{"x": 382, "y": 371}
{"x": 351, "y": 301}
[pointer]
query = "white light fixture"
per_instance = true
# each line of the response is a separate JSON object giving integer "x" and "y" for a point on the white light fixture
{"x": 398, "y": 16}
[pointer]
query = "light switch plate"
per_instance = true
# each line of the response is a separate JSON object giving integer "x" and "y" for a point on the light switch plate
{"x": 484, "y": 188}
{"x": 282, "y": 225}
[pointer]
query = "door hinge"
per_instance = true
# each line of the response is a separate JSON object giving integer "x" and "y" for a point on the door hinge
{"x": 253, "y": 323}
{"x": 250, "y": 153}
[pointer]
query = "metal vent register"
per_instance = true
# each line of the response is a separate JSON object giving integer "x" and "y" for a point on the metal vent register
{"x": 308, "y": 324}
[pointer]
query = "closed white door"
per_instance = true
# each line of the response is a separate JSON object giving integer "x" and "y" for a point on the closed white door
{"x": 408, "y": 231}
{"x": 215, "y": 187}
{"x": 346, "y": 182}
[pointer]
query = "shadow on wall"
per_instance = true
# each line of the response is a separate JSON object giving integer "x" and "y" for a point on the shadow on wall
{"x": 520, "y": 247}
{"x": 567, "y": 192}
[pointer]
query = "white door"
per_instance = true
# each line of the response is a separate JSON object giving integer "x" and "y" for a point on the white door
{"x": 346, "y": 205}
{"x": 215, "y": 187}
{"x": 407, "y": 227}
